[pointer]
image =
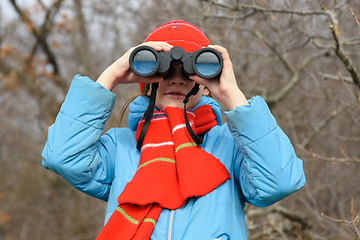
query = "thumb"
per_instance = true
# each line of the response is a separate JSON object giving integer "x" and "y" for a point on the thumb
{"x": 198, "y": 79}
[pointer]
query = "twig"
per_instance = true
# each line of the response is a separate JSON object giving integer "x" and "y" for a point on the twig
{"x": 258, "y": 8}
{"x": 357, "y": 21}
{"x": 319, "y": 45}
{"x": 355, "y": 218}
{"x": 341, "y": 54}
{"x": 336, "y": 38}
{"x": 330, "y": 159}
{"x": 324, "y": 123}
{"x": 340, "y": 5}
{"x": 326, "y": 76}
{"x": 40, "y": 34}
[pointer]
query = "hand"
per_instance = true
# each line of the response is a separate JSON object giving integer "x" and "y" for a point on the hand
{"x": 225, "y": 89}
{"x": 120, "y": 72}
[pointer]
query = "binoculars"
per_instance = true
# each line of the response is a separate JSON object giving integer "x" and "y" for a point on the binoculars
{"x": 146, "y": 61}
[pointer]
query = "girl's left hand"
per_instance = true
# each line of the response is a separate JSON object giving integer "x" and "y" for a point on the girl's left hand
{"x": 224, "y": 89}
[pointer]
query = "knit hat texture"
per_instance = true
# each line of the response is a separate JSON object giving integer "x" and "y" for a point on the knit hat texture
{"x": 178, "y": 34}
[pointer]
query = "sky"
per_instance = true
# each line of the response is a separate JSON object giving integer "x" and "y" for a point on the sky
{"x": 7, "y": 11}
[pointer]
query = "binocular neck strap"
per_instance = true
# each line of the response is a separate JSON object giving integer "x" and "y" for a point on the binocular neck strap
{"x": 150, "y": 110}
{"x": 193, "y": 91}
{"x": 148, "y": 115}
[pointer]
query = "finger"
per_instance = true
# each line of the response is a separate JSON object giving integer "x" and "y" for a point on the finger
{"x": 158, "y": 46}
{"x": 199, "y": 80}
{"x": 155, "y": 78}
{"x": 224, "y": 54}
{"x": 152, "y": 79}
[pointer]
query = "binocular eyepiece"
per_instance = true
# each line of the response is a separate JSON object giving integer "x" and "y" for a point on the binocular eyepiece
{"x": 146, "y": 61}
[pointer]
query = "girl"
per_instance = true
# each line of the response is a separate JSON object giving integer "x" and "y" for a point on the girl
{"x": 173, "y": 188}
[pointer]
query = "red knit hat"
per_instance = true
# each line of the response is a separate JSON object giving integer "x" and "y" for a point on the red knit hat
{"x": 179, "y": 34}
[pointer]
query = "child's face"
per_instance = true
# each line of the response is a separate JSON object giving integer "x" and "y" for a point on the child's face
{"x": 172, "y": 91}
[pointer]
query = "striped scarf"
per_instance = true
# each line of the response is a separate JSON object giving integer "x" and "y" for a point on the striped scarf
{"x": 172, "y": 168}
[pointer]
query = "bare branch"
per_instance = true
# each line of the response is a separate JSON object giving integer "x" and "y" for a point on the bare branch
{"x": 357, "y": 21}
{"x": 352, "y": 223}
{"x": 40, "y": 35}
{"x": 337, "y": 40}
{"x": 332, "y": 219}
{"x": 326, "y": 76}
{"x": 352, "y": 42}
{"x": 282, "y": 57}
{"x": 340, "y": 5}
{"x": 300, "y": 217}
{"x": 258, "y": 8}
{"x": 317, "y": 156}
{"x": 295, "y": 79}
{"x": 26, "y": 75}
{"x": 334, "y": 27}
{"x": 345, "y": 59}
{"x": 338, "y": 48}
{"x": 242, "y": 17}
{"x": 322, "y": 124}
{"x": 319, "y": 45}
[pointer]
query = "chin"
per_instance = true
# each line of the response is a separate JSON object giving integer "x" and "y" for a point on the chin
{"x": 181, "y": 106}
{"x": 177, "y": 104}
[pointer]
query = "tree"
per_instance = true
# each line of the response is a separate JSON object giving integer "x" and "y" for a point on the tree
{"x": 285, "y": 52}
{"x": 301, "y": 56}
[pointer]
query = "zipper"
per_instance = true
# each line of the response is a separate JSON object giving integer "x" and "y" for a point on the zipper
{"x": 171, "y": 223}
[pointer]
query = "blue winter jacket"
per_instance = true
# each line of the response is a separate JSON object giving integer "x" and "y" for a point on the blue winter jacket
{"x": 258, "y": 155}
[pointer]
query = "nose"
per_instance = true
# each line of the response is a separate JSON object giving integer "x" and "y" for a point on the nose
{"x": 177, "y": 80}
{"x": 177, "y": 77}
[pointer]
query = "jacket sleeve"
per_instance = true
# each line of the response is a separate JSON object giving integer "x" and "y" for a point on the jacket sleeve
{"x": 74, "y": 148}
{"x": 268, "y": 169}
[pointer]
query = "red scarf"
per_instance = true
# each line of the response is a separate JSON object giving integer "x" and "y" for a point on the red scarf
{"x": 172, "y": 168}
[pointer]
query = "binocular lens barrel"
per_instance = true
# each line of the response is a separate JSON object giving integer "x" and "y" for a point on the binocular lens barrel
{"x": 207, "y": 64}
{"x": 146, "y": 61}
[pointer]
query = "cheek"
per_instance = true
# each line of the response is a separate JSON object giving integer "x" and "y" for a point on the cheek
{"x": 159, "y": 103}
{"x": 195, "y": 99}
{"x": 200, "y": 93}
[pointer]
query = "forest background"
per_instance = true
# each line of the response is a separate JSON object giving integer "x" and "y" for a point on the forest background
{"x": 303, "y": 57}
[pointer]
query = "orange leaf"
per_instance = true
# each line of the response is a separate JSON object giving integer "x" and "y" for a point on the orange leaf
{"x": 4, "y": 218}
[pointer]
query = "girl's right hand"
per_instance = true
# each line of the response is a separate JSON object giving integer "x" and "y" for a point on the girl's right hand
{"x": 120, "y": 72}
